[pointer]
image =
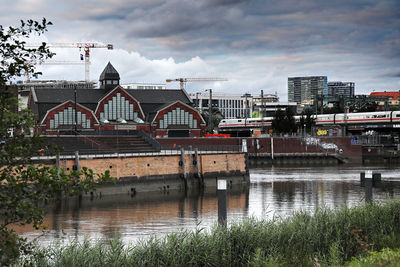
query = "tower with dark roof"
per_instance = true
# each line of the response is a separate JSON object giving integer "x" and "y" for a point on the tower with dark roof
{"x": 109, "y": 78}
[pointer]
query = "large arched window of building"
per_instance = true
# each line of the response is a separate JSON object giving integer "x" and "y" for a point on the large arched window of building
{"x": 178, "y": 116}
{"x": 68, "y": 117}
{"x": 118, "y": 105}
{"x": 178, "y": 120}
{"x": 65, "y": 116}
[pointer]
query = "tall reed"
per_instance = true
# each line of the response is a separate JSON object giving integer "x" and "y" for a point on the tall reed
{"x": 327, "y": 237}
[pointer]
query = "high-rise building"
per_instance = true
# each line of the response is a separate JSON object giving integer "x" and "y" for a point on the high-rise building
{"x": 303, "y": 90}
{"x": 230, "y": 105}
{"x": 341, "y": 89}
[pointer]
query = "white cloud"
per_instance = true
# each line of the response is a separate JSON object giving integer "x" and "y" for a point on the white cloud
{"x": 255, "y": 45}
{"x": 131, "y": 65}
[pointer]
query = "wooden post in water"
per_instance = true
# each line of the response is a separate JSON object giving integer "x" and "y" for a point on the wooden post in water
{"x": 58, "y": 164}
{"x": 368, "y": 187}
{"x": 362, "y": 177}
{"x": 78, "y": 167}
{"x": 197, "y": 160}
{"x": 221, "y": 191}
{"x": 272, "y": 148}
{"x": 183, "y": 164}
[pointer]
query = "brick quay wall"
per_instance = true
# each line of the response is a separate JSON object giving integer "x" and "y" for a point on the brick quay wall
{"x": 224, "y": 159}
{"x": 164, "y": 172}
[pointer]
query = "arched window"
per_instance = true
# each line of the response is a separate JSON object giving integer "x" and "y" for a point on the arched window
{"x": 178, "y": 116}
{"x": 118, "y": 108}
{"x": 67, "y": 117}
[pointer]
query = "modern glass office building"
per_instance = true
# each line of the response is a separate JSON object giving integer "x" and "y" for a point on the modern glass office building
{"x": 304, "y": 89}
{"x": 341, "y": 89}
{"x": 231, "y": 105}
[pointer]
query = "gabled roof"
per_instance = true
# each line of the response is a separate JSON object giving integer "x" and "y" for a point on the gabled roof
{"x": 47, "y": 98}
{"x": 54, "y": 95}
{"x": 109, "y": 73}
{"x": 129, "y": 95}
{"x": 150, "y": 101}
{"x": 149, "y": 96}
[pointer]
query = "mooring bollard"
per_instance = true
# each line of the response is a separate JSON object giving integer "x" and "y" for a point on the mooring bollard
{"x": 221, "y": 188}
{"x": 368, "y": 187}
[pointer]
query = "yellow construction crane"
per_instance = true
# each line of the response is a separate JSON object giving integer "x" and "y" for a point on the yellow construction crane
{"x": 183, "y": 81}
{"x": 86, "y": 49}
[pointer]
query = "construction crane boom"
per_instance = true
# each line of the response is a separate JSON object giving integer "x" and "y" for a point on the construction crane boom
{"x": 73, "y": 45}
{"x": 86, "y": 46}
{"x": 183, "y": 81}
{"x": 58, "y": 63}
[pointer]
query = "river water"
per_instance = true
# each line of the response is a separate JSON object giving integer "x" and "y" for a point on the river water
{"x": 273, "y": 192}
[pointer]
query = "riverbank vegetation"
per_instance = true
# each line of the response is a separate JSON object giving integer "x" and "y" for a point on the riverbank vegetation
{"x": 386, "y": 257}
{"x": 325, "y": 238}
{"x": 24, "y": 184}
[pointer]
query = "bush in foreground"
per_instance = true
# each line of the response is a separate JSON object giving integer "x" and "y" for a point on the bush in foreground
{"x": 329, "y": 237}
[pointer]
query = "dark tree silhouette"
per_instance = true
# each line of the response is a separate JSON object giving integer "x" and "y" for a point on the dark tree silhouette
{"x": 25, "y": 186}
{"x": 284, "y": 122}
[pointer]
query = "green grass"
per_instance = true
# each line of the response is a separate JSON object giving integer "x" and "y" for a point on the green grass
{"x": 386, "y": 257}
{"x": 326, "y": 238}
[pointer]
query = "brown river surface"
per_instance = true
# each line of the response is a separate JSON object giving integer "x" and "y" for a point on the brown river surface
{"x": 273, "y": 192}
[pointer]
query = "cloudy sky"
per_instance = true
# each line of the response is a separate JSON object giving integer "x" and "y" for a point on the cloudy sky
{"x": 255, "y": 44}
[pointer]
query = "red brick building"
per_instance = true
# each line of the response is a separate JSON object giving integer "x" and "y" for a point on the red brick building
{"x": 113, "y": 108}
{"x": 389, "y": 95}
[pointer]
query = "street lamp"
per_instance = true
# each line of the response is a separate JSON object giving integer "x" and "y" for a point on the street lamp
{"x": 262, "y": 112}
{"x": 197, "y": 101}
{"x": 76, "y": 113}
{"x": 210, "y": 124}
{"x": 246, "y": 104}
{"x": 119, "y": 121}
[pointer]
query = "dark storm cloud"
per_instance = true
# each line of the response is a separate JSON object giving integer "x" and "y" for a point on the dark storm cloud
{"x": 260, "y": 42}
{"x": 392, "y": 74}
{"x": 224, "y": 2}
{"x": 251, "y": 25}
{"x": 177, "y": 17}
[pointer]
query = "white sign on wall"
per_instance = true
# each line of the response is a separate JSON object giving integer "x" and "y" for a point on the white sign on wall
{"x": 244, "y": 145}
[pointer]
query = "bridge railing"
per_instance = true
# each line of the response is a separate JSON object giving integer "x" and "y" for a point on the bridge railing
{"x": 374, "y": 140}
{"x": 165, "y": 151}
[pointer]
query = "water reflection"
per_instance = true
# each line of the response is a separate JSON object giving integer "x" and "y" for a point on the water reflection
{"x": 272, "y": 192}
{"x": 280, "y": 191}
